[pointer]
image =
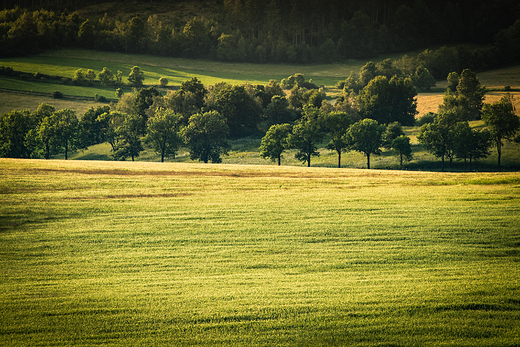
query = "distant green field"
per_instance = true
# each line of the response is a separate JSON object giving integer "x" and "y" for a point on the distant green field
{"x": 175, "y": 254}
{"x": 66, "y": 62}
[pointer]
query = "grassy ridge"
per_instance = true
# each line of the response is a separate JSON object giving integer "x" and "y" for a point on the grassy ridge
{"x": 185, "y": 254}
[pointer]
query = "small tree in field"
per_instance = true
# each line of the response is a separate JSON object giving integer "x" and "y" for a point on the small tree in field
{"x": 163, "y": 81}
{"x": 163, "y": 132}
{"x": 306, "y": 135}
{"x": 136, "y": 77}
{"x": 502, "y": 121}
{"x": 274, "y": 143}
{"x": 366, "y": 136}
{"x": 206, "y": 136}
{"x": 336, "y": 124}
{"x": 402, "y": 148}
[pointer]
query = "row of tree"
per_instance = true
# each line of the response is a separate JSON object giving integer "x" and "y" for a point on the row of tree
{"x": 299, "y": 31}
{"x": 218, "y": 112}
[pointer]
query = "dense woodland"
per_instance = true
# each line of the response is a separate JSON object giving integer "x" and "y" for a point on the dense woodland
{"x": 298, "y": 31}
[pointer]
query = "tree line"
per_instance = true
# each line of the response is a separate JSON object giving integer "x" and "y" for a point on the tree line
{"x": 298, "y": 31}
{"x": 366, "y": 118}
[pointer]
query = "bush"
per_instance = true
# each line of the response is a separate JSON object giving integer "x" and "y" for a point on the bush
{"x": 163, "y": 81}
{"x": 57, "y": 95}
{"x": 425, "y": 119}
{"x": 100, "y": 98}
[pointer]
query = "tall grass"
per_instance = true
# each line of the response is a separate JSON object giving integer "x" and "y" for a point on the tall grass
{"x": 111, "y": 253}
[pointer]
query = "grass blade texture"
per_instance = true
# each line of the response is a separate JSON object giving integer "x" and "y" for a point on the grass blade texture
{"x": 127, "y": 254}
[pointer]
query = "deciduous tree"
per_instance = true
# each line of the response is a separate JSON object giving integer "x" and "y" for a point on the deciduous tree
{"x": 502, "y": 122}
{"x": 163, "y": 132}
{"x": 274, "y": 143}
{"x": 402, "y": 148}
{"x": 336, "y": 124}
{"x": 306, "y": 135}
{"x": 366, "y": 136}
{"x": 206, "y": 136}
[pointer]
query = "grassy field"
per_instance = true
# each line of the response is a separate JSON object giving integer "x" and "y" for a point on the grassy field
{"x": 127, "y": 254}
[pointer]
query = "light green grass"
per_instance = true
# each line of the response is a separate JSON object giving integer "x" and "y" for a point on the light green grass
{"x": 127, "y": 254}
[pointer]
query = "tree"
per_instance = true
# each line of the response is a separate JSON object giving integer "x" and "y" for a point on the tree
{"x": 206, "y": 136}
{"x": 90, "y": 76}
{"x": 163, "y": 132}
{"x": 278, "y": 111}
{"x": 502, "y": 121}
{"x": 402, "y": 148}
{"x": 66, "y": 130}
{"x": 306, "y": 135}
{"x": 469, "y": 86}
{"x": 14, "y": 128}
{"x": 163, "y": 81}
{"x": 470, "y": 144}
{"x": 336, "y": 124}
{"x": 438, "y": 136}
{"x": 389, "y": 101}
{"x": 393, "y": 131}
{"x": 91, "y": 127}
{"x": 241, "y": 111}
{"x": 366, "y": 136}
{"x": 106, "y": 77}
{"x": 128, "y": 138}
{"x": 423, "y": 79}
{"x": 274, "y": 143}
{"x": 136, "y": 77}
{"x": 79, "y": 77}
{"x": 59, "y": 132}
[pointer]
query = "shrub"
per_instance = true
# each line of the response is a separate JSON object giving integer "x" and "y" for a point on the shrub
{"x": 57, "y": 95}
{"x": 163, "y": 81}
{"x": 100, "y": 98}
{"x": 425, "y": 119}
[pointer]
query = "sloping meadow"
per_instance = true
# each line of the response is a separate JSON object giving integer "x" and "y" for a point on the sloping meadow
{"x": 124, "y": 254}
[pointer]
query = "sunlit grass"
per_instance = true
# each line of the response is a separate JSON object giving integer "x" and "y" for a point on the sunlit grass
{"x": 112, "y": 253}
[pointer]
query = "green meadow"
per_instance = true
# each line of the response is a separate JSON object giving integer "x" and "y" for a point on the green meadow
{"x": 181, "y": 254}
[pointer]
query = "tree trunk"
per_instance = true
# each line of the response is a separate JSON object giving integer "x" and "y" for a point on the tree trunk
{"x": 339, "y": 159}
{"x": 368, "y": 161}
{"x": 279, "y": 160}
{"x": 66, "y": 150}
{"x": 443, "y": 163}
{"x": 401, "y": 158}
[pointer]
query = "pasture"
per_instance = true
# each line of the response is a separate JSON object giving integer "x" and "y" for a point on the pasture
{"x": 124, "y": 254}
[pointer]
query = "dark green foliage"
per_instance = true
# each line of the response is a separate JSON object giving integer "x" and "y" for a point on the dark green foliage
{"x": 242, "y": 112}
{"x": 14, "y": 128}
{"x": 470, "y": 144}
{"x": 422, "y": 79}
{"x": 366, "y": 136}
{"x": 274, "y": 143}
{"x": 336, "y": 125}
{"x": 106, "y": 77}
{"x": 425, "y": 119}
{"x": 91, "y": 126}
{"x": 502, "y": 122}
{"x": 389, "y": 101}
{"x": 393, "y": 131}
{"x": 206, "y": 136}
{"x": 163, "y": 132}
{"x": 57, "y": 95}
{"x": 306, "y": 135}
{"x": 438, "y": 137}
{"x": 128, "y": 138}
{"x": 278, "y": 111}
{"x": 136, "y": 77}
{"x": 402, "y": 148}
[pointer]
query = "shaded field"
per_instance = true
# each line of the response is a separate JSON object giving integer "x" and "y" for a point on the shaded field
{"x": 111, "y": 253}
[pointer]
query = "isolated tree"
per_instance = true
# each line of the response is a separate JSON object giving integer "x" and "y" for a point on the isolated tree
{"x": 136, "y": 77}
{"x": 402, "y": 148}
{"x": 274, "y": 143}
{"x": 502, "y": 122}
{"x": 336, "y": 125}
{"x": 366, "y": 136}
{"x": 163, "y": 81}
{"x": 163, "y": 132}
{"x": 79, "y": 77}
{"x": 470, "y": 144}
{"x": 438, "y": 137}
{"x": 206, "y": 136}
{"x": 106, "y": 77}
{"x": 306, "y": 135}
